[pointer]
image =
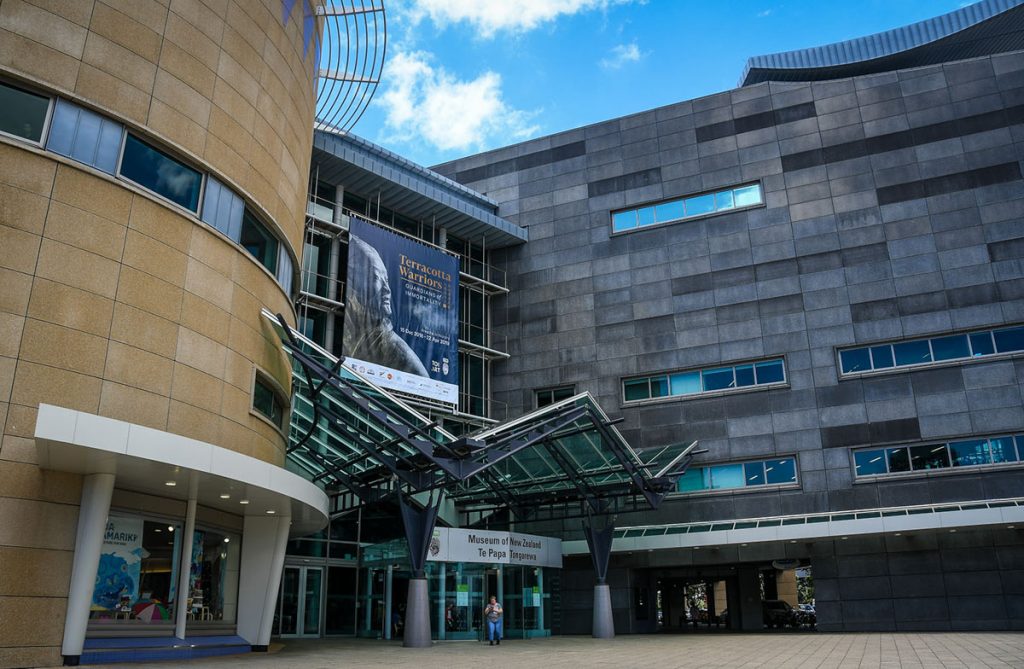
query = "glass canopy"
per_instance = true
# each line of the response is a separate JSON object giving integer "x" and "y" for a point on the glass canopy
{"x": 363, "y": 444}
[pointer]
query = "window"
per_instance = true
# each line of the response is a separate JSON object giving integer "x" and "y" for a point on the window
{"x": 222, "y": 209}
{"x": 917, "y": 352}
{"x": 978, "y": 452}
{"x": 692, "y": 206}
{"x": 284, "y": 269}
{"x": 267, "y": 401}
{"x": 22, "y": 114}
{"x": 732, "y": 476}
{"x": 154, "y": 170}
{"x": 85, "y": 136}
{"x": 258, "y": 241}
{"x": 705, "y": 381}
{"x": 549, "y": 396}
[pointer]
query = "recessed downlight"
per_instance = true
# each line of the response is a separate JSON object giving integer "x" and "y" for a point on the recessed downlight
{"x": 243, "y": 501}
{"x": 271, "y": 512}
{"x": 170, "y": 484}
{"x": 225, "y": 496}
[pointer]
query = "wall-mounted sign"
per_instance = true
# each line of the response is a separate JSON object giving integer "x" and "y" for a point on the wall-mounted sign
{"x": 489, "y": 547}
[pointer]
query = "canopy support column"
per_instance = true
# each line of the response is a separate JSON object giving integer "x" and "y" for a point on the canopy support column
{"x": 419, "y": 529}
{"x": 599, "y": 540}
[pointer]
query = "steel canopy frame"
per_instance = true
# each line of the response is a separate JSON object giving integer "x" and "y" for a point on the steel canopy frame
{"x": 566, "y": 458}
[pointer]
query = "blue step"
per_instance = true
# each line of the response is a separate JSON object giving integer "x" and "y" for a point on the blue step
{"x": 148, "y": 649}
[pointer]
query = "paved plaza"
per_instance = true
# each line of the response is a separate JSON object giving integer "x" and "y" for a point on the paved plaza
{"x": 792, "y": 651}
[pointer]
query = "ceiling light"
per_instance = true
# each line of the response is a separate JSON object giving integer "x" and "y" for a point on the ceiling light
{"x": 898, "y": 534}
{"x": 271, "y": 512}
{"x": 953, "y": 531}
{"x": 225, "y": 496}
{"x": 1010, "y": 527}
{"x": 170, "y": 484}
{"x": 227, "y": 540}
{"x": 844, "y": 538}
{"x": 157, "y": 530}
{"x": 170, "y": 528}
{"x": 243, "y": 501}
{"x": 743, "y": 545}
{"x": 792, "y": 541}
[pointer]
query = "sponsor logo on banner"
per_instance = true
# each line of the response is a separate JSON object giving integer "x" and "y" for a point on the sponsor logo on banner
{"x": 402, "y": 313}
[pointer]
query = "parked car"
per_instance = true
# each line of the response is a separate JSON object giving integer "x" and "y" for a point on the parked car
{"x": 807, "y": 615}
{"x": 778, "y": 613}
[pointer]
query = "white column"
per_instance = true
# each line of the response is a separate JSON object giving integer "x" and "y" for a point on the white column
{"x": 185, "y": 566}
{"x": 97, "y": 490}
{"x": 264, "y": 541}
{"x": 274, "y": 579}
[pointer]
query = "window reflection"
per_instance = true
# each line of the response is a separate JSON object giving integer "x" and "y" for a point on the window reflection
{"x": 22, "y": 114}
{"x": 715, "y": 380}
{"x": 931, "y": 350}
{"x": 155, "y": 170}
{"x": 692, "y": 206}
{"x": 778, "y": 471}
{"x": 925, "y": 457}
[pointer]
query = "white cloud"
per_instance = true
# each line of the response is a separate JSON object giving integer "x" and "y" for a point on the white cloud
{"x": 427, "y": 103}
{"x": 620, "y": 55}
{"x": 765, "y": 13}
{"x": 491, "y": 16}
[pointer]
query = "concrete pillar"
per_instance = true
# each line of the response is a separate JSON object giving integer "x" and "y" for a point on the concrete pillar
{"x": 417, "y": 615}
{"x": 388, "y": 580}
{"x": 185, "y": 569}
{"x": 540, "y": 589}
{"x": 750, "y": 615}
{"x": 442, "y": 602}
{"x": 97, "y": 490}
{"x": 603, "y": 623}
{"x": 785, "y": 586}
{"x": 368, "y": 613}
{"x": 264, "y": 541}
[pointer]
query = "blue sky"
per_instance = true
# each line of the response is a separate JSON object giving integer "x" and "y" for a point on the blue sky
{"x": 464, "y": 76}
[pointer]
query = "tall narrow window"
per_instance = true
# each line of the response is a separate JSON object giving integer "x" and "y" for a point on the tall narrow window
{"x": 258, "y": 241}
{"x": 267, "y": 401}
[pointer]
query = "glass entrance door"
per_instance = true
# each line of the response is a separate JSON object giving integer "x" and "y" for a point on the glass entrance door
{"x": 299, "y": 608}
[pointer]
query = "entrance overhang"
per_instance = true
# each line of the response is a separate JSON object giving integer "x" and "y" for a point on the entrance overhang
{"x": 147, "y": 460}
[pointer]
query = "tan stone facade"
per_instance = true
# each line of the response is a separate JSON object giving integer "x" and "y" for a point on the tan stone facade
{"x": 113, "y": 302}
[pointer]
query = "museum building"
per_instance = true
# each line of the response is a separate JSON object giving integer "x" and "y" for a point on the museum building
{"x": 771, "y": 331}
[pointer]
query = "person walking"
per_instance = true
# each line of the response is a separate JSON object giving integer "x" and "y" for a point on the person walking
{"x": 493, "y": 613}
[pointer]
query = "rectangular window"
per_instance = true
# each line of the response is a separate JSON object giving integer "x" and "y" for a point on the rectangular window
{"x": 223, "y": 209}
{"x": 284, "y": 269}
{"x": 688, "y": 207}
{"x": 701, "y": 381}
{"x": 733, "y": 476}
{"x": 933, "y": 350}
{"x": 85, "y": 136}
{"x": 154, "y": 170}
{"x": 978, "y": 452}
{"x": 22, "y": 114}
{"x": 549, "y": 396}
{"x": 258, "y": 241}
{"x": 869, "y": 463}
{"x": 268, "y": 402}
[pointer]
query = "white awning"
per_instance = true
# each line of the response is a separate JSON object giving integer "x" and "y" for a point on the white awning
{"x": 147, "y": 461}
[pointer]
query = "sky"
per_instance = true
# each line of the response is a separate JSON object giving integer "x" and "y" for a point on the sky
{"x": 465, "y": 76}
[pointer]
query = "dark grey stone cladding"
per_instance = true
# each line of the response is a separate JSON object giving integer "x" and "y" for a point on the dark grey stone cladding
{"x": 919, "y": 235}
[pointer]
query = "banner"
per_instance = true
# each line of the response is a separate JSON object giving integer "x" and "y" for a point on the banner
{"x": 449, "y": 544}
{"x": 402, "y": 314}
{"x": 117, "y": 578}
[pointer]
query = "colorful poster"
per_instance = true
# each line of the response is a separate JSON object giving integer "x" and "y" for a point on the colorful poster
{"x": 402, "y": 313}
{"x": 117, "y": 578}
{"x": 462, "y": 594}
